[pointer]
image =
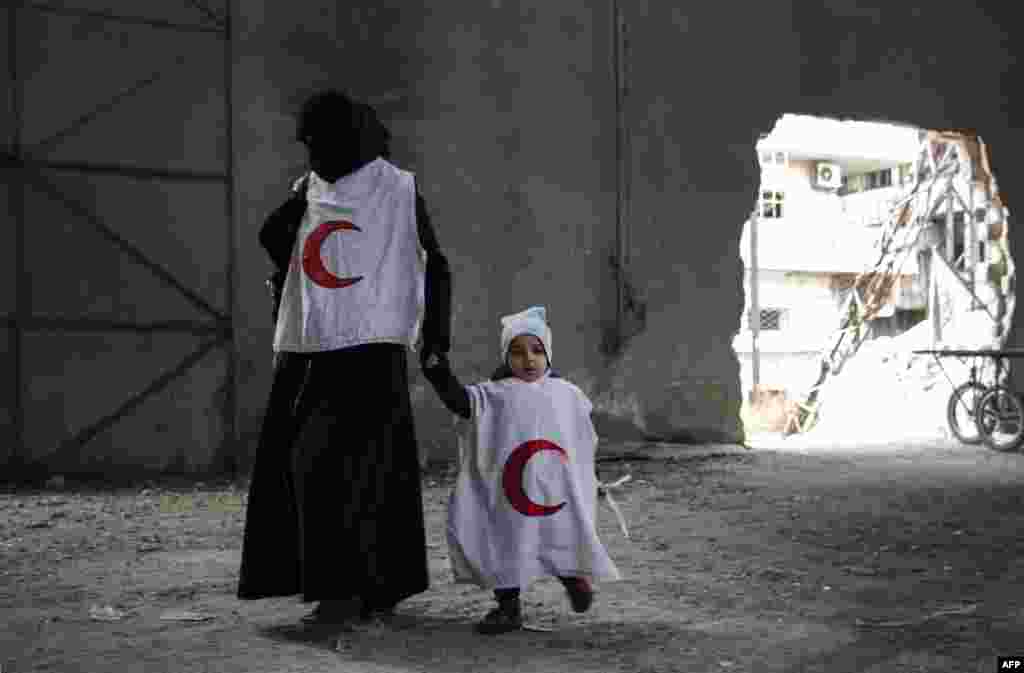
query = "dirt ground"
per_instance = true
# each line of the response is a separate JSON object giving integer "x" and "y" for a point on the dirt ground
{"x": 788, "y": 557}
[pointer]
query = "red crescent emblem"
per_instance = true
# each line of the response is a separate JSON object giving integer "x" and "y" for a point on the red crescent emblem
{"x": 313, "y": 263}
{"x": 512, "y": 478}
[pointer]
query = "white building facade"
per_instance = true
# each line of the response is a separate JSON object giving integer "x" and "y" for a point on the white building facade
{"x": 826, "y": 188}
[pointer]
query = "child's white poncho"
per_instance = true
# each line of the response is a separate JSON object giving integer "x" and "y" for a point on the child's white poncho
{"x": 525, "y": 501}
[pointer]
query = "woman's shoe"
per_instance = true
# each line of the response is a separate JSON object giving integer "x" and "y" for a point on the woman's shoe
{"x": 376, "y": 612}
{"x": 332, "y": 612}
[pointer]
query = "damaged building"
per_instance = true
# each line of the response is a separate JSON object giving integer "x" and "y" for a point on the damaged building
{"x": 937, "y": 245}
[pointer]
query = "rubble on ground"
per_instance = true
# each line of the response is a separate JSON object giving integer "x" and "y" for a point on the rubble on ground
{"x": 887, "y": 392}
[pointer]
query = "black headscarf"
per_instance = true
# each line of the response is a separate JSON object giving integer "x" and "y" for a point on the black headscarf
{"x": 341, "y": 134}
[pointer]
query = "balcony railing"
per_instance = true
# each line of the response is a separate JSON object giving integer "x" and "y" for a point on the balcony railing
{"x": 812, "y": 244}
{"x": 871, "y": 207}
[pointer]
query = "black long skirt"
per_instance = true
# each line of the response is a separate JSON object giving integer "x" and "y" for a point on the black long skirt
{"x": 335, "y": 506}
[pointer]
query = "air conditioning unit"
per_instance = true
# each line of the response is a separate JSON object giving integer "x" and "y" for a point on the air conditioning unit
{"x": 830, "y": 176}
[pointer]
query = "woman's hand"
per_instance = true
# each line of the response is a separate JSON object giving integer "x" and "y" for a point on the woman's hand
{"x": 431, "y": 359}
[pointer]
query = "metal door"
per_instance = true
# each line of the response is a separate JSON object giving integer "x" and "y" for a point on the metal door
{"x": 117, "y": 247}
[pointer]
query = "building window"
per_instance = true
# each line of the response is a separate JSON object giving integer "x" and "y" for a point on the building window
{"x": 774, "y": 158}
{"x": 771, "y": 203}
{"x": 878, "y": 179}
{"x": 772, "y": 319}
{"x": 853, "y": 184}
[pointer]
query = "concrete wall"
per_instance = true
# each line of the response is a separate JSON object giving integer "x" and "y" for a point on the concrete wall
{"x": 506, "y": 111}
{"x": 7, "y": 307}
{"x": 812, "y": 309}
{"x": 506, "y": 114}
{"x": 790, "y": 357}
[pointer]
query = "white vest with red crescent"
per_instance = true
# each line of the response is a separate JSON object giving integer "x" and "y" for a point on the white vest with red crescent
{"x": 357, "y": 270}
{"x": 524, "y": 504}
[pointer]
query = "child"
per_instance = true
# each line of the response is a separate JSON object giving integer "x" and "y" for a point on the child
{"x": 524, "y": 503}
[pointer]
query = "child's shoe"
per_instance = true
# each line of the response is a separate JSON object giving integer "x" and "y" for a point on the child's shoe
{"x": 502, "y": 619}
{"x": 581, "y": 595}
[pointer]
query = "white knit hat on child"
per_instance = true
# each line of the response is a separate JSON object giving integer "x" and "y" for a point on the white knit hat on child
{"x": 531, "y": 321}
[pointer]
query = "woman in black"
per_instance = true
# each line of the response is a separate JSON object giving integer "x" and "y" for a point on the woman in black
{"x": 335, "y": 510}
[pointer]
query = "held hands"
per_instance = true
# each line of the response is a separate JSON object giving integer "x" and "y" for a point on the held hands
{"x": 437, "y": 370}
{"x": 430, "y": 358}
{"x": 434, "y": 366}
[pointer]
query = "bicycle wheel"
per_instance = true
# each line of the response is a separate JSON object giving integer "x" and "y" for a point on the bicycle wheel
{"x": 960, "y": 412}
{"x": 1000, "y": 417}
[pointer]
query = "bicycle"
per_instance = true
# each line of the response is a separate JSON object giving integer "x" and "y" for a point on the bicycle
{"x": 964, "y": 400}
{"x": 992, "y": 414}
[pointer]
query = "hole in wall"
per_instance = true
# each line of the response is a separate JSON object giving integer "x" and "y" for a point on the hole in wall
{"x": 868, "y": 241}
